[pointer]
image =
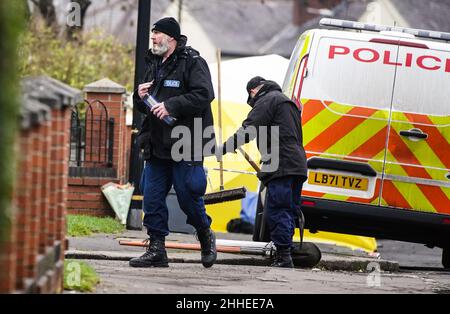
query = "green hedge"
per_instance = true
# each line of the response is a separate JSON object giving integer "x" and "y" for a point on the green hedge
{"x": 11, "y": 23}
{"x": 77, "y": 63}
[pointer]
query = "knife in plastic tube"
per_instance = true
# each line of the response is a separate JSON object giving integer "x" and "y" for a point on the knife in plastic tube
{"x": 151, "y": 102}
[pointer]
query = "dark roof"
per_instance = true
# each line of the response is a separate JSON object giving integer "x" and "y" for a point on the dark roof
{"x": 252, "y": 27}
{"x": 119, "y": 17}
{"x": 430, "y": 15}
{"x": 238, "y": 27}
{"x": 241, "y": 27}
{"x": 40, "y": 95}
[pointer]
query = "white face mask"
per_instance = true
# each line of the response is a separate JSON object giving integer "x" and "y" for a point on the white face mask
{"x": 161, "y": 48}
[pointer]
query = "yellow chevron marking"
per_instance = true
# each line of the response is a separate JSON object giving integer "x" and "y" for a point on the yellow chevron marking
{"x": 305, "y": 45}
{"x": 442, "y": 124}
{"x": 414, "y": 196}
{"x": 440, "y": 121}
{"x": 297, "y": 66}
{"x": 420, "y": 149}
{"x": 410, "y": 191}
{"x": 336, "y": 197}
{"x": 399, "y": 116}
{"x": 304, "y": 100}
{"x": 322, "y": 121}
{"x": 446, "y": 191}
{"x": 377, "y": 161}
{"x": 357, "y": 137}
{"x": 437, "y": 174}
{"x": 381, "y": 114}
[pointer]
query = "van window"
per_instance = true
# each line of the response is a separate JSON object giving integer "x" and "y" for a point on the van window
{"x": 422, "y": 83}
{"x": 287, "y": 88}
{"x": 351, "y": 72}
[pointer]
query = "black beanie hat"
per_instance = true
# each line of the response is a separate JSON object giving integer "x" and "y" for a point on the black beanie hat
{"x": 254, "y": 82}
{"x": 169, "y": 26}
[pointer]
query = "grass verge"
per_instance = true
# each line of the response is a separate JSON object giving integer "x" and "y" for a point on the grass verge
{"x": 82, "y": 225}
{"x": 79, "y": 276}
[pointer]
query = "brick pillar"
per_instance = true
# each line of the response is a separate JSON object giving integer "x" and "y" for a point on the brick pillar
{"x": 54, "y": 183}
{"x": 60, "y": 167}
{"x": 84, "y": 195}
{"x": 112, "y": 95}
{"x": 8, "y": 262}
{"x": 45, "y": 231}
{"x": 35, "y": 260}
{"x": 8, "y": 258}
{"x": 63, "y": 122}
{"x": 34, "y": 211}
{"x": 23, "y": 205}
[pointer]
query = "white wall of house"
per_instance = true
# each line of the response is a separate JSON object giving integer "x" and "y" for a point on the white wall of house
{"x": 197, "y": 37}
{"x": 383, "y": 12}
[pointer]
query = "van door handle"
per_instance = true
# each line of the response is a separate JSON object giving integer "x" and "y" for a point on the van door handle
{"x": 416, "y": 133}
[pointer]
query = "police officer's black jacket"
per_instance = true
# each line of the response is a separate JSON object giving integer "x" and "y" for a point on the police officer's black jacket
{"x": 272, "y": 108}
{"x": 183, "y": 83}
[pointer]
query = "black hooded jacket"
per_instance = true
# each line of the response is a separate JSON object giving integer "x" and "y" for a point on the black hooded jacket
{"x": 271, "y": 108}
{"x": 183, "y": 83}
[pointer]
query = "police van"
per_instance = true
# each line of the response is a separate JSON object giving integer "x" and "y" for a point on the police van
{"x": 375, "y": 106}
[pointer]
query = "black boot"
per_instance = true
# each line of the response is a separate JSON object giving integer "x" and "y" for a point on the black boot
{"x": 283, "y": 258}
{"x": 155, "y": 256}
{"x": 207, "y": 240}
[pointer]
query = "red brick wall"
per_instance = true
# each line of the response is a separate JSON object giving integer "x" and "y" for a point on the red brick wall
{"x": 39, "y": 203}
{"x": 22, "y": 203}
{"x": 8, "y": 257}
{"x": 85, "y": 197}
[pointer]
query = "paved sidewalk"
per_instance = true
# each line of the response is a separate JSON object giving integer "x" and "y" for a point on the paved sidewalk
{"x": 107, "y": 247}
{"x": 341, "y": 270}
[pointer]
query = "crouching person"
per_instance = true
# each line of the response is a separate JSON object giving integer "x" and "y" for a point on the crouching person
{"x": 276, "y": 123}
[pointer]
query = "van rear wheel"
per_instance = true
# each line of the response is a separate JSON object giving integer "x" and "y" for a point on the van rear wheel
{"x": 446, "y": 257}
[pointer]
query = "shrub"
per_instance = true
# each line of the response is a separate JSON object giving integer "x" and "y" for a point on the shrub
{"x": 11, "y": 24}
{"x": 79, "y": 276}
{"x": 92, "y": 56}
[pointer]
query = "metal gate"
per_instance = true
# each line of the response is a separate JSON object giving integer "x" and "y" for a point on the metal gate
{"x": 91, "y": 141}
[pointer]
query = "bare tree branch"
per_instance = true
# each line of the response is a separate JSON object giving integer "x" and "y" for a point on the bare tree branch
{"x": 47, "y": 10}
{"x": 71, "y": 31}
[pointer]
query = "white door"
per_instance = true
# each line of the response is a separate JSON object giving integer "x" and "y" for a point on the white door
{"x": 346, "y": 97}
{"x": 418, "y": 160}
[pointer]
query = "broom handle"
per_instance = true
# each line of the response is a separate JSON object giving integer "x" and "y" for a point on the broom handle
{"x": 249, "y": 159}
{"x": 219, "y": 102}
